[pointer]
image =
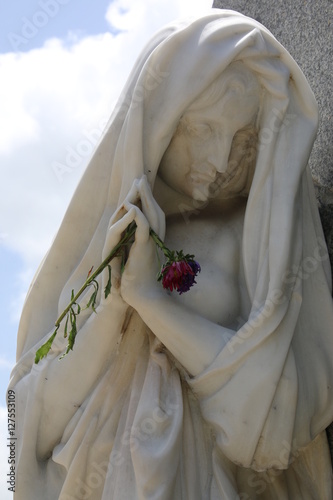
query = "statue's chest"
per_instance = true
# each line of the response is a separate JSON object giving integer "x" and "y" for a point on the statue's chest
{"x": 216, "y": 246}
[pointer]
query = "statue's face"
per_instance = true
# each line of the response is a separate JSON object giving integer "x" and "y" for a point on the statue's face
{"x": 200, "y": 148}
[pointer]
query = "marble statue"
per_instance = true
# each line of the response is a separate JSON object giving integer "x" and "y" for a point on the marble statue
{"x": 223, "y": 392}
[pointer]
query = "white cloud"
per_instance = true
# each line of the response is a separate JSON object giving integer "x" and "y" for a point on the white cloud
{"x": 53, "y": 97}
{"x": 132, "y": 16}
{"x": 5, "y": 364}
{"x": 139, "y": 20}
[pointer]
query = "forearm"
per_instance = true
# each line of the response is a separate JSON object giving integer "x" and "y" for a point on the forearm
{"x": 192, "y": 339}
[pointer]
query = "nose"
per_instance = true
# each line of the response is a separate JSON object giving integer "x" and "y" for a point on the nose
{"x": 219, "y": 152}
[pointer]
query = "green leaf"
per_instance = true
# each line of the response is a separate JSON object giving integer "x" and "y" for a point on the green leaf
{"x": 96, "y": 285}
{"x": 66, "y": 352}
{"x": 92, "y": 300}
{"x": 78, "y": 308}
{"x": 66, "y": 325}
{"x": 107, "y": 289}
{"x": 45, "y": 348}
{"x": 73, "y": 332}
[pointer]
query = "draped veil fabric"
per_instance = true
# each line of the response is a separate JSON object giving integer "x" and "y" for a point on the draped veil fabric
{"x": 146, "y": 430}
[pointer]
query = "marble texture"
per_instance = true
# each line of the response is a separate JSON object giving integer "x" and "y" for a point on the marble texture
{"x": 305, "y": 28}
{"x": 208, "y": 394}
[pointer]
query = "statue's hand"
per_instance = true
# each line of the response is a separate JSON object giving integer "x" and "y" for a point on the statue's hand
{"x": 117, "y": 225}
{"x": 150, "y": 208}
{"x": 139, "y": 277}
{"x": 142, "y": 266}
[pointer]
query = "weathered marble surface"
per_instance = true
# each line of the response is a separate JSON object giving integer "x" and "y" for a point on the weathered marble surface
{"x": 305, "y": 28}
{"x": 206, "y": 394}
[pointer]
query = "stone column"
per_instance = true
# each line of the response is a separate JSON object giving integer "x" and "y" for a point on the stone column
{"x": 305, "y": 29}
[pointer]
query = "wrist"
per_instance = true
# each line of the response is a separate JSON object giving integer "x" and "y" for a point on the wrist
{"x": 143, "y": 296}
{"x": 114, "y": 304}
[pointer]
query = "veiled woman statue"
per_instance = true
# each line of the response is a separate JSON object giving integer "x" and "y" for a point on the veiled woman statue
{"x": 223, "y": 392}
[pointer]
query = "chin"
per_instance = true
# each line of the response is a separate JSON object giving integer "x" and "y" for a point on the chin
{"x": 200, "y": 195}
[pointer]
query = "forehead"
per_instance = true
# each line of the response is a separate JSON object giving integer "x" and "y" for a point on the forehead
{"x": 225, "y": 112}
{"x": 231, "y": 90}
{"x": 235, "y": 103}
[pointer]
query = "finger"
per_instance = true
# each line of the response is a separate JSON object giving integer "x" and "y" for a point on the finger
{"x": 150, "y": 207}
{"x": 133, "y": 197}
{"x": 142, "y": 231}
{"x": 118, "y": 214}
{"x": 115, "y": 231}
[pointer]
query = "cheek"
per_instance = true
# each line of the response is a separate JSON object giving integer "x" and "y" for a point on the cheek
{"x": 175, "y": 164}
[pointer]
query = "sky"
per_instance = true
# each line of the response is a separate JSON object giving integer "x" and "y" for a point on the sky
{"x": 62, "y": 65}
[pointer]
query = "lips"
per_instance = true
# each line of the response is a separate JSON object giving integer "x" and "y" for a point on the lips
{"x": 202, "y": 176}
{"x": 199, "y": 179}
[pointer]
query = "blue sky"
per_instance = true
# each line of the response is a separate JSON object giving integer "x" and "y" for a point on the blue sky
{"x": 62, "y": 66}
{"x": 85, "y": 17}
